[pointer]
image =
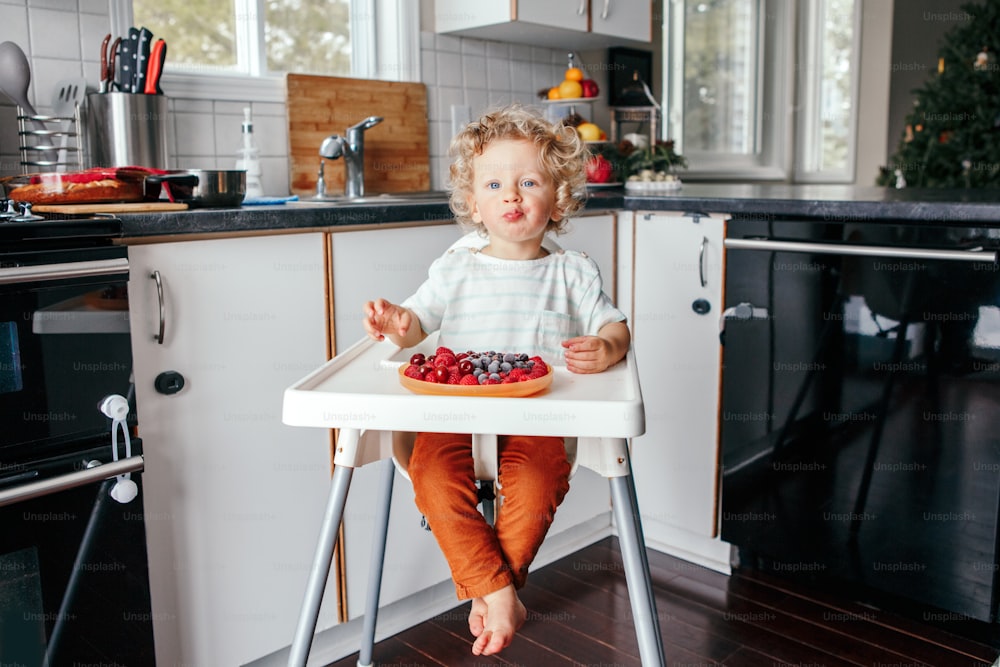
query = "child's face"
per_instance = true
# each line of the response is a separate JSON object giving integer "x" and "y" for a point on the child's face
{"x": 513, "y": 196}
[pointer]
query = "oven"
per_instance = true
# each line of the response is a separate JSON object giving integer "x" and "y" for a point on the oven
{"x": 860, "y": 412}
{"x": 74, "y": 583}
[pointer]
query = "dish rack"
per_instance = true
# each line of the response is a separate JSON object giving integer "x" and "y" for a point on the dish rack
{"x": 50, "y": 143}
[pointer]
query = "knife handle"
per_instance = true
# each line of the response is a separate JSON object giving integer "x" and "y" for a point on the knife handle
{"x": 156, "y": 57}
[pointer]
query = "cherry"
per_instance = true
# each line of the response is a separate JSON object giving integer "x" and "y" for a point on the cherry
{"x": 464, "y": 366}
{"x": 417, "y": 359}
{"x": 441, "y": 372}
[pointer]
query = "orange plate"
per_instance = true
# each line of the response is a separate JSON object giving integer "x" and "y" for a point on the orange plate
{"x": 526, "y": 388}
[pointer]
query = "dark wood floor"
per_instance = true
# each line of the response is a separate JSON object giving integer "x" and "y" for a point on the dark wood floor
{"x": 579, "y": 614}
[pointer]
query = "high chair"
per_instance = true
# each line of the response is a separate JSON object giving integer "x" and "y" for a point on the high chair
{"x": 359, "y": 393}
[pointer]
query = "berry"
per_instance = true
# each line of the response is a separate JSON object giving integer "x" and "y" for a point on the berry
{"x": 445, "y": 359}
{"x": 472, "y": 368}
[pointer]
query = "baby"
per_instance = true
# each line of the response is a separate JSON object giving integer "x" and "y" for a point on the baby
{"x": 514, "y": 177}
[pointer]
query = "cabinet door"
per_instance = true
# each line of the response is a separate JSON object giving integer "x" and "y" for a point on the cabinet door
{"x": 628, "y": 19}
{"x": 676, "y": 462}
{"x": 233, "y": 498}
{"x": 566, "y": 14}
{"x": 389, "y": 263}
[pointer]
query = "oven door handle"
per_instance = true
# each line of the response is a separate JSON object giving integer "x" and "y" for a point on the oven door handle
{"x": 100, "y": 267}
{"x": 769, "y": 245}
{"x": 46, "y": 487}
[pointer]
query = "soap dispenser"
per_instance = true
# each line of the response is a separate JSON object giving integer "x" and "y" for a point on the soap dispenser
{"x": 248, "y": 158}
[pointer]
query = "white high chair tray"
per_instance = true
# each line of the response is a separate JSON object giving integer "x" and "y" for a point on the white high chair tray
{"x": 360, "y": 389}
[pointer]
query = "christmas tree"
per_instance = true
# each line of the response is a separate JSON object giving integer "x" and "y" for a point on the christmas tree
{"x": 952, "y": 137}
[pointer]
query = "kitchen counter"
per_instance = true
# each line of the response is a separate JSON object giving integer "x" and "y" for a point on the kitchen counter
{"x": 822, "y": 202}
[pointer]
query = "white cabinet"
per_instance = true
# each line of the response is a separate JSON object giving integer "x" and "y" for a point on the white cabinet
{"x": 233, "y": 498}
{"x": 628, "y": 19}
{"x": 366, "y": 264}
{"x": 572, "y": 24}
{"x": 677, "y": 304}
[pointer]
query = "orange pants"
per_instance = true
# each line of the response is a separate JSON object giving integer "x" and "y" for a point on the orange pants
{"x": 534, "y": 475}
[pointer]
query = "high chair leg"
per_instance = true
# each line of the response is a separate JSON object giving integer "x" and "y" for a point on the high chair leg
{"x": 377, "y": 563}
{"x": 309, "y": 615}
{"x": 640, "y": 588}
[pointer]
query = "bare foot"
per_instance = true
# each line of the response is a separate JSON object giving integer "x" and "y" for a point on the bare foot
{"x": 504, "y": 615}
{"x": 477, "y": 617}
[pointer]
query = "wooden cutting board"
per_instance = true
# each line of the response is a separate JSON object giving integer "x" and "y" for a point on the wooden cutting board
{"x": 396, "y": 150}
{"x": 136, "y": 207}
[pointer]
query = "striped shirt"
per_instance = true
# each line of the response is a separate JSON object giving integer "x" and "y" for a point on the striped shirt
{"x": 481, "y": 303}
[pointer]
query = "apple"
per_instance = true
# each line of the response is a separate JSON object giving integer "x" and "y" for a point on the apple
{"x": 589, "y": 87}
{"x": 598, "y": 169}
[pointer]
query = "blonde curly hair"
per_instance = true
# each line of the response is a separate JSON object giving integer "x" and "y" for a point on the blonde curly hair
{"x": 561, "y": 152}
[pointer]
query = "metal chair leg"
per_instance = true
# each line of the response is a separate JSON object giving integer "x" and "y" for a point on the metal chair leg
{"x": 309, "y": 615}
{"x": 377, "y": 564}
{"x": 640, "y": 587}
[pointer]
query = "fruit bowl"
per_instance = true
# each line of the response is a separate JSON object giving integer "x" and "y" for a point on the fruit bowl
{"x": 514, "y": 389}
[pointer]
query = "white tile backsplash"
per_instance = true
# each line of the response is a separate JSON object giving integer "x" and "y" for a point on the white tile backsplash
{"x": 205, "y": 134}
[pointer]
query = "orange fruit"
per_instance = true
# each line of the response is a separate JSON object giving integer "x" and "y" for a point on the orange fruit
{"x": 554, "y": 93}
{"x": 570, "y": 89}
{"x": 574, "y": 74}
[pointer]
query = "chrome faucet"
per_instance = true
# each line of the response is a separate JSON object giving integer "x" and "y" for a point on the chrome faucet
{"x": 353, "y": 151}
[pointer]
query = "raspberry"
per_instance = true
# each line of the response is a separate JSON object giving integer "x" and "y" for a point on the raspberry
{"x": 443, "y": 350}
{"x": 413, "y": 372}
{"x": 430, "y": 377}
{"x": 445, "y": 359}
{"x": 516, "y": 374}
{"x": 469, "y": 379}
{"x": 454, "y": 377}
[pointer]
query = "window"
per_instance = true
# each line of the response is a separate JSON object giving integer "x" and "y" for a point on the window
{"x": 238, "y": 49}
{"x": 731, "y": 76}
{"x": 304, "y": 36}
{"x": 828, "y": 111}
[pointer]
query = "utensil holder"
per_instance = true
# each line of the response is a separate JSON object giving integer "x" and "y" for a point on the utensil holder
{"x": 49, "y": 143}
{"x": 126, "y": 130}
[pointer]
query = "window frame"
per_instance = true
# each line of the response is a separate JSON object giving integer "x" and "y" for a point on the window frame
{"x": 783, "y": 99}
{"x": 809, "y": 116}
{"x": 773, "y": 95}
{"x": 385, "y": 45}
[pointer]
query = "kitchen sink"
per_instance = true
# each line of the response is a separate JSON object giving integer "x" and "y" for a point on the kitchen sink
{"x": 420, "y": 197}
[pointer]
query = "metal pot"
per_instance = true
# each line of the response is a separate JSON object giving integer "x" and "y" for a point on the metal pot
{"x": 206, "y": 188}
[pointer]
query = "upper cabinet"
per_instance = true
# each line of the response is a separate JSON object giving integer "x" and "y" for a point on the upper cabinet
{"x": 571, "y": 24}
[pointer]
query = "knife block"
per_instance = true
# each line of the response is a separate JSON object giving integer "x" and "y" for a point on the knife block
{"x": 126, "y": 130}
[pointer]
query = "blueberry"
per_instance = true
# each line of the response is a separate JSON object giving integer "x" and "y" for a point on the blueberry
{"x": 494, "y": 367}
{"x": 477, "y": 371}
{"x": 506, "y": 367}
{"x": 495, "y": 376}
{"x": 510, "y": 357}
{"x": 482, "y": 378}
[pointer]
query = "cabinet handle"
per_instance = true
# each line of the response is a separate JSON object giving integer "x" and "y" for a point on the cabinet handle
{"x": 582, "y": 9}
{"x": 158, "y": 337}
{"x": 604, "y": 12}
{"x": 701, "y": 262}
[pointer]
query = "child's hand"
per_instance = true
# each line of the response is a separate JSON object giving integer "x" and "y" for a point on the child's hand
{"x": 588, "y": 354}
{"x": 383, "y": 318}
{"x": 594, "y": 354}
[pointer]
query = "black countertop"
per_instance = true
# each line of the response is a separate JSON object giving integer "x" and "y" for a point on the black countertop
{"x": 809, "y": 202}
